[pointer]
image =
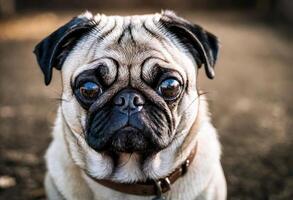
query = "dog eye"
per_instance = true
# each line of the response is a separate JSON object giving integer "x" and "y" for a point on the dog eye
{"x": 90, "y": 90}
{"x": 169, "y": 89}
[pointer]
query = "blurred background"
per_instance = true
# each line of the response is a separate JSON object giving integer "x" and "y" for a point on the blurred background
{"x": 251, "y": 97}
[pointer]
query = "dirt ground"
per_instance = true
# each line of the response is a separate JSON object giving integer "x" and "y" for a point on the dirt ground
{"x": 251, "y": 100}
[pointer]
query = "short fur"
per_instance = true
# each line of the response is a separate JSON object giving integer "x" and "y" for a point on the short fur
{"x": 132, "y": 48}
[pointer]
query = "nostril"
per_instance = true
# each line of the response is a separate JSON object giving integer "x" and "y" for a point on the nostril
{"x": 138, "y": 101}
{"x": 120, "y": 101}
{"x": 128, "y": 102}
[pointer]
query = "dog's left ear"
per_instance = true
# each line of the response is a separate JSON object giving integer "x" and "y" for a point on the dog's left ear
{"x": 53, "y": 50}
{"x": 202, "y": 45}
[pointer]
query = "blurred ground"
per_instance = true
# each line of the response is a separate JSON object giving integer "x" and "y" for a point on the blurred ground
{"x": 251, "y": 101}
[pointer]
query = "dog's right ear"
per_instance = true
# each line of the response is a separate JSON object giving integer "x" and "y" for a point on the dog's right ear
{"x": 53, "y": 50}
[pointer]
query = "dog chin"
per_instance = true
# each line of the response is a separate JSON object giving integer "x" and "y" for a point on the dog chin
{"x": 132, "y": 167}
{"x": 129, "y": 147}
{"x": 127, "y": 167}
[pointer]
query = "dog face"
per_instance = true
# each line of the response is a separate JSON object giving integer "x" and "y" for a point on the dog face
{"x": 129, "y": 89}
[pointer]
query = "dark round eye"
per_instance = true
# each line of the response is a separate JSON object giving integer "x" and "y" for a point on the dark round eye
{"x": 169, "y": 89}
{"x": 90, "y": 90}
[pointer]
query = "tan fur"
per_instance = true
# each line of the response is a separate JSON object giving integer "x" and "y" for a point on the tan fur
{"x": 69, "y": 156}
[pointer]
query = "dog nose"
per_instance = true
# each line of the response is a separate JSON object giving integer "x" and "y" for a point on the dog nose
{"x": 129, "y": 101}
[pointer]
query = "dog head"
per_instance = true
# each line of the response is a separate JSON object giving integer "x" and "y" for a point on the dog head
{"x": 129, "y": 89}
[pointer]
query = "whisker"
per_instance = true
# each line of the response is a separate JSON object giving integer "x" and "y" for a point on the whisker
{"x": 187, "y": 107}
{"x": 83, "y": 129}
{"x": 185, "y": 110}
{"x": 60, "y": 99}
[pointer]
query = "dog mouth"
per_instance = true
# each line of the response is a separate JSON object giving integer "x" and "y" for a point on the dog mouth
{"x": 130, "y": 139}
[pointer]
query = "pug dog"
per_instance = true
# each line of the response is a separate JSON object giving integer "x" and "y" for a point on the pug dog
{"x": 132, "y": 123}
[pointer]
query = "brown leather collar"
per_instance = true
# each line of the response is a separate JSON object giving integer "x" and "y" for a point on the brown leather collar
{"x": 151, "y": 187}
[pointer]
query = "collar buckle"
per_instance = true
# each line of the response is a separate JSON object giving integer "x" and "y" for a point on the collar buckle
{"x": 185, "y": 166}
{"x": 162, "y": 186}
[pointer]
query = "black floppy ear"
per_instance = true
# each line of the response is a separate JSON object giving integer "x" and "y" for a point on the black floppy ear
{"x": 202, "y": 45}
{"x": 53, "y": 50}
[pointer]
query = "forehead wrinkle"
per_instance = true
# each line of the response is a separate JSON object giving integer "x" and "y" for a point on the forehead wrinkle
{"x": 176, "y": 59}
{"x": 125, "y": 48}
{"x": 103, "y": 21}
{"x": 93, "y": 64}
{"x": 110, "y": 34}
{"x": 171, "y": 50}
{"x": 128, "y": 54}
{"x": 133, "y": 55}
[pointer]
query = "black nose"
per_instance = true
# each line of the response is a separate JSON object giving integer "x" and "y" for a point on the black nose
{"x": 129, "y": 101}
